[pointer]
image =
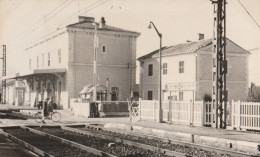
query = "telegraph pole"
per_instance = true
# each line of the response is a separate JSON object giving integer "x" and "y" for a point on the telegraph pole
{"x": 4, "y": 74}
{"x": 219, "y": 66}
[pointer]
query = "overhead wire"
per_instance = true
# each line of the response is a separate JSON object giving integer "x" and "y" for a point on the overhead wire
{"x": 10, "y": 10}
{"x": 63, "y": 23}
{"x": 249, "y": 13}
{"x": 88, "y": 8}
{"x": 37, "y": 24}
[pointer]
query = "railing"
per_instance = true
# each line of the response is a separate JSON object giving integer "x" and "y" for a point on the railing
{"x": 246, "y": 115}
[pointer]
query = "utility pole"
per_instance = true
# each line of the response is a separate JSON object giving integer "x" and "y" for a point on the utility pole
{"x": 4, "y": 74}
{"x": 219, "y": 65}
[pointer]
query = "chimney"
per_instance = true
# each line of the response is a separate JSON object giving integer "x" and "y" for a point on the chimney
{"x": 102, "y": 22}
{"x": 87, "y": 19}
{"x": 201, "y": 36}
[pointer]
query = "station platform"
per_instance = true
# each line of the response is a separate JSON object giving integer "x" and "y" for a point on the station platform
{"x": 245, "y": 141}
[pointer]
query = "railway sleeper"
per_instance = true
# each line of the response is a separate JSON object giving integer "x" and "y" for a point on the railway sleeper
{"x": 127, "y": 142}
{"x": 71, "y": 143}
{"x": 231, "y": 152}
{"x": 25, "y": 144}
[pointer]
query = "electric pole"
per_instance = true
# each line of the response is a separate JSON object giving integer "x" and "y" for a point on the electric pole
{"x": 4, "y": 74}
{"x": 219, "y": 66}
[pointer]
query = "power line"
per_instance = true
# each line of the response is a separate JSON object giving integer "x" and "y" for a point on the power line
{"x": 10, "y": 9}
{"x": 249, "y": 14}
{"x": 37, "y": 24}
{"x": 89, "y": 8}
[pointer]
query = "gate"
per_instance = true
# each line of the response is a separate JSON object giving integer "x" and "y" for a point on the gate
{"x": 134, "y": 111}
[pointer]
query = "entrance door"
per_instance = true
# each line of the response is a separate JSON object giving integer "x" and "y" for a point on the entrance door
{"x": 20, "y": 96}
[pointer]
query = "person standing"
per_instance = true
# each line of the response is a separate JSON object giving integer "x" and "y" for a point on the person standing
{"x": 45, "y": 110}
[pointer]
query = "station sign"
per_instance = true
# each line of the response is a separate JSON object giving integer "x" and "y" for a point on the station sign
{"x": 182, "y": 86}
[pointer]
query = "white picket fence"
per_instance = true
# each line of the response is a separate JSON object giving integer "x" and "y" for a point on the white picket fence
{"x": 182, "y": 112}
{"x": 242, "y": 115}
{"x": 246, "y": 115}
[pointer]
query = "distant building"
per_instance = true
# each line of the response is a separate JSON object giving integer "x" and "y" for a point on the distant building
{"x": 187, "y": 72}
{"x": 61, "y": 64}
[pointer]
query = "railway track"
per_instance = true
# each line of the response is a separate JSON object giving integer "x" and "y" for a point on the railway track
{"x": 191, "y": 149}
{"x": 46, "y": 145}
{"x": 92, "y": 140}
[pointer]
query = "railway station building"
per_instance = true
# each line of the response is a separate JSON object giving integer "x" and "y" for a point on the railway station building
{"x": 61, "y": 64}
{"x": 187, "y": 72}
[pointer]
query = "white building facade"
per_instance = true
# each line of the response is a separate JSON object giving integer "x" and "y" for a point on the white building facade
{"x": 61, "y": 64}
{"x": 187, "y": 72}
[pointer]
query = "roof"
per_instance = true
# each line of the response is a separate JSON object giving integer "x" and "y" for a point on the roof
{"x": 89, "y": 88}
{"x": 89, "y": 25}
{"x": 35, "y": 71}
{"x": 193, "y": 47}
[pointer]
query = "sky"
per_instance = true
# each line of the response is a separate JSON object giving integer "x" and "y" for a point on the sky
{"x": 24, "y": 21}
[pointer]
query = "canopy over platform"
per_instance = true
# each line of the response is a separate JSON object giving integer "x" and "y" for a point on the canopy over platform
{"x": 33, "y": 72}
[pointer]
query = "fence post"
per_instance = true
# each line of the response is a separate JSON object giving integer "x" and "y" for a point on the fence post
{"x": 154, "y": 110}
{"x": 203, "y": 113}
{"x": 139, "y": 108}
{"x": 189, "y": 115}
{"x": 239, "y": 111}
{"x": 233, "y": 118}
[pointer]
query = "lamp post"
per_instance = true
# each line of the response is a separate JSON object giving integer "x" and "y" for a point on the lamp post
{"x": 160, "y": 71}
{"x": 95, "y": 64}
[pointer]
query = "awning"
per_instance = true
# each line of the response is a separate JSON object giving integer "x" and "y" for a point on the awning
{"x": 35, "y": 71}
{"x": 89, "y": 88}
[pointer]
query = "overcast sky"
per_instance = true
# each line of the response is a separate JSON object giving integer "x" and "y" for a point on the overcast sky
{"x": 23, "y": 21}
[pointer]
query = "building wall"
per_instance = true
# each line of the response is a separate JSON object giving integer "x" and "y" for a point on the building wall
{"x": 51, "y": 45}
{"x": 197, "y": 68}
{"x": 237, "y": 76}
{"x": 118, "y": 63}
{"x": 150, "y": 83}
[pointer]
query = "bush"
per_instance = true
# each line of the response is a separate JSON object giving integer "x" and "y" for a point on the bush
{"x": 207, "y": 97}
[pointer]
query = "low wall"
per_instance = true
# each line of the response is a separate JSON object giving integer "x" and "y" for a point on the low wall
{"x": 112, "y": 108}
{"x": 80, "y": 108}
{"x": 106, "y": 108}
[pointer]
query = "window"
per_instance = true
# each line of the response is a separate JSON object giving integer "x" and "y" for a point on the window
{"x": 150, "y": 95}
{"x": 37, "y": 62}
{"x": 180, "y": 96}
{"x": 114, "y": 93}
{"x": 59, "y": 55}
{"x": 104, "y": 49}
{"x": 30, "y": 64}
{"x": 49, "y": 59}
{"x": 150, "y": 70}
{"x": 181, "y": 66}
{"x": 43, "y": 60}
{"x": 164, "y": 68}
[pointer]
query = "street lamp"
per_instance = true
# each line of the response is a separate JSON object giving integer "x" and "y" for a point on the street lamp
{"x": 95, "y": 63}
{"x": 160, "y": 71}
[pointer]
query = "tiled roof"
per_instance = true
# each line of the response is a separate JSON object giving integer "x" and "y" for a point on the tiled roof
{"x": 192, "y": 47}
{"x": 89, "y": 25}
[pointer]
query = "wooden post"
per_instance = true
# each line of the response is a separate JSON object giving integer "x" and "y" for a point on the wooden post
{"x": 233, "y": 114}
{"x": 139, "y": 108}
{"x": 239, "y": 111}
{"x": 203, "y": 113}
{"x": 190, "y": 114}
{"x": 154, "y": 110}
